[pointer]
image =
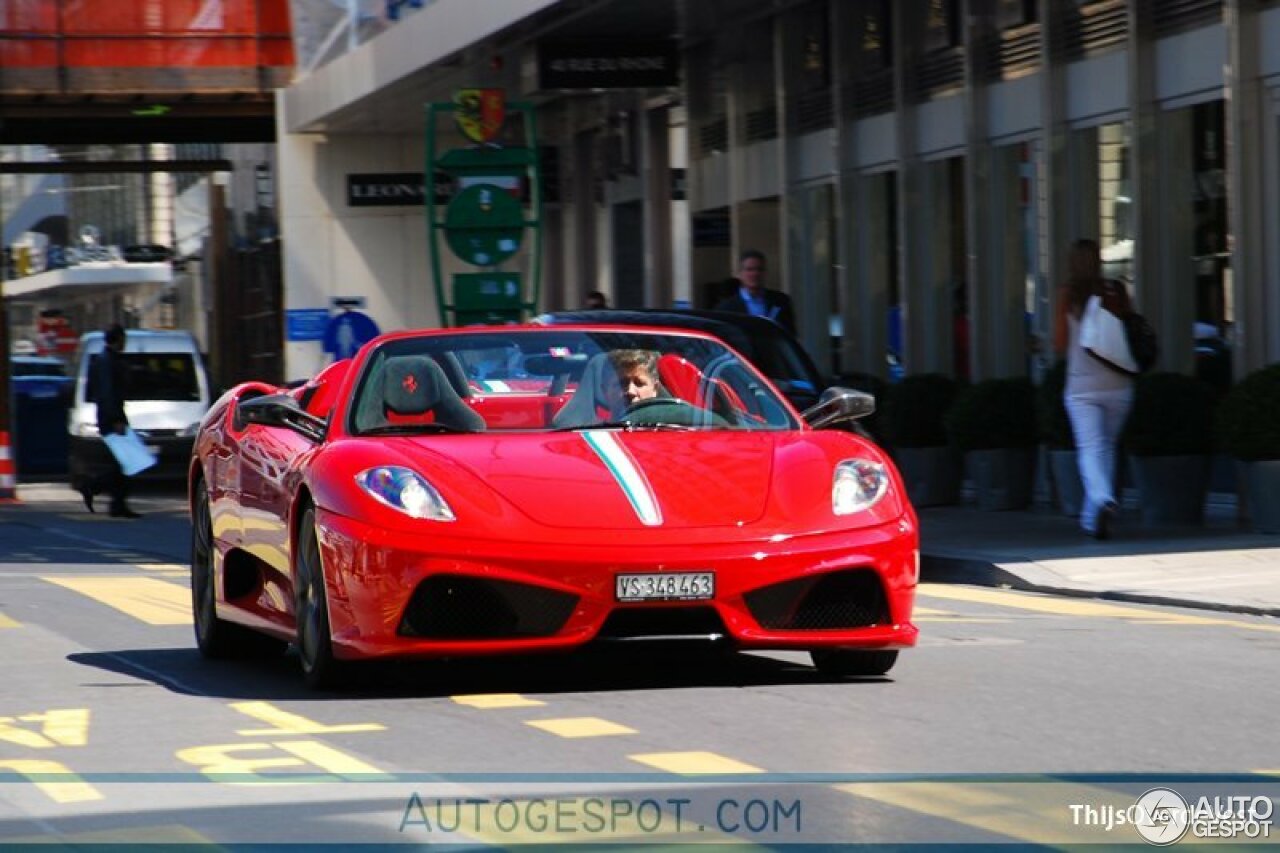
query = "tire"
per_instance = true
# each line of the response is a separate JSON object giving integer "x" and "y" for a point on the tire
{"x": 846, "y": 663}
{"x": 311, "y": 610}
{"x": 217, "y": 639}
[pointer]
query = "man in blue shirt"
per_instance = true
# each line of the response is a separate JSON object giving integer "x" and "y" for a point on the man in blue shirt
{"x": 754, "y": 298}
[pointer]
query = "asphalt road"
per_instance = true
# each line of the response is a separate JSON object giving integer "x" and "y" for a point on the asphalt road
{"x": 1014, "y": 708}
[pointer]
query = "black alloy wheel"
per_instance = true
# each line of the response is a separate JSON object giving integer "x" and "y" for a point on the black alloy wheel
{"x": 311, "y": 609}
{"x": 217, "y": 638}
{"x": 847, "y": 663}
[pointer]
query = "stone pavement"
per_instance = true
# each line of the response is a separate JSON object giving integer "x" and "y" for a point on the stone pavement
{"x": 1220, "y": 566}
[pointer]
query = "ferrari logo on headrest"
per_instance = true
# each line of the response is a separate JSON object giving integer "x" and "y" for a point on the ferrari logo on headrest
{"x": 410, "y": 383}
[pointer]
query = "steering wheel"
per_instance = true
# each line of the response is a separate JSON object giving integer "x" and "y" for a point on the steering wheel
{"x": 671, "y": 411}
{"x": 650, "y": 402}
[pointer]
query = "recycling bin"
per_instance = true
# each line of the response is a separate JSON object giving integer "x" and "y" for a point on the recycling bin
{"x": 40, "y": 406}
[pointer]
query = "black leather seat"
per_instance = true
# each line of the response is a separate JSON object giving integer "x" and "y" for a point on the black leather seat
{"x": 415, "y": 385}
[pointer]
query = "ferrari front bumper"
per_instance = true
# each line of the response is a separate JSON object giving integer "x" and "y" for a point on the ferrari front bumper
{"x": 395, "y": 593}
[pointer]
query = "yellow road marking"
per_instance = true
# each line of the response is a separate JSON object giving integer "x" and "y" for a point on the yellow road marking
{"x": 62, "y": 726}
{"x": 132, "y": 836}
{"x": 163, "y": 567}
{"x": 66, "y": 726}
{"x": 74, "y": 790}
{"x": 581, "y": 727}
{"x": 489, "y": 701}
{"x": 1066, "y": 606}
{"x": 226, "y": 762}
{"x": 149, "y": 600}
{"x": 951, "y": 620}
{"x": 933, "y": 614}
{"x": 6, "y": 622}
{"x": 693, "y": 763}
{"x": 1032, "y": 812}
{"x": 22, "y": 736}
{"x": 293, "y": 724}
{"x": 333, "y": 760}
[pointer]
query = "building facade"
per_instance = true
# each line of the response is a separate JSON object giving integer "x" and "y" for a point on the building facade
{"x": 915, "y": 170}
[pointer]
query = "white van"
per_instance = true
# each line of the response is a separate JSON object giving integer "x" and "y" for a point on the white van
{"x": 169, "y": 392}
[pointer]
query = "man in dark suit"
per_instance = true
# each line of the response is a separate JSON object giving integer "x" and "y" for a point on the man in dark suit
{"x": 753, "y": 297}
{"x": 109, "y": 375}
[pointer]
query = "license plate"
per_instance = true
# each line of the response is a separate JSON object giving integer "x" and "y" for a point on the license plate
{"x": 665, "y": 586}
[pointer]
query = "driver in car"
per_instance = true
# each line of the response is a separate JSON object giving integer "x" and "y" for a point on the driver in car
{"x": 637, "y": 372}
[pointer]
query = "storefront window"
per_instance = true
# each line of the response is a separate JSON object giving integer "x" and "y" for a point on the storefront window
{"x": 1209, "y": 203}
{"x": 1115, "y": 201}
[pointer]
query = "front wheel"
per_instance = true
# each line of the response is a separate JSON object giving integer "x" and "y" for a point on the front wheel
{"x": 217, "y": 638}
{"x": 845, "y": 663}
{"x": 311, "y": 609}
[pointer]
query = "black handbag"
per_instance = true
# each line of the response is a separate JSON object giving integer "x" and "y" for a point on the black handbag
{"x": 1143, "y": 343}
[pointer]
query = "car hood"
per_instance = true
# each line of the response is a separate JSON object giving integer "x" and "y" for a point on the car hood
{"x": 614, "y": 479}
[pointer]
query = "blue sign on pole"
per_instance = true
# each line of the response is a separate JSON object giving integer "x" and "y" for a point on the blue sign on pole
{"x": 306, "y": 324}
{"x": 347, "y": 332}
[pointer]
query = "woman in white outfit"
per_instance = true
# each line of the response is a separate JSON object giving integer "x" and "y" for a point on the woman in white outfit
{"x": 1097, "y": 397}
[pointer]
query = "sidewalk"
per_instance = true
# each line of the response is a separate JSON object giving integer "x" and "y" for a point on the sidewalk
{"x": 1220, "y": 566}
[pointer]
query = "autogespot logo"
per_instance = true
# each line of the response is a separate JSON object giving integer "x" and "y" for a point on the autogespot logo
{"x": 1162, "y": 816}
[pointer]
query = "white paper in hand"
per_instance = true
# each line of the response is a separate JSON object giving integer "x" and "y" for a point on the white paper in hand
{"x": 134, "y": 456}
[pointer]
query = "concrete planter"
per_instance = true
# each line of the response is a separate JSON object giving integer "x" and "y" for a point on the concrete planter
{"x": 932, "y": 474}
{"x": 1004, "y": 478}
{"x": 1262, "y": 480}
{"x": 1171, "y": 489}
{"x": 1064, "y": 468}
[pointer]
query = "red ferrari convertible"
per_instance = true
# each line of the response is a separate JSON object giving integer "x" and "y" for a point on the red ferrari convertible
{"x": 523, "y": 489}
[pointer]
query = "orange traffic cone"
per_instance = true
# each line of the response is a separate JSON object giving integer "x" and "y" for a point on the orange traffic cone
{"x": 8, "y": 481}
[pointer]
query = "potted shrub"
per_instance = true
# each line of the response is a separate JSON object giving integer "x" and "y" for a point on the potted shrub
{"x": 1249, "y": 429}
{"x": 1059, "y": 441}
{"x": 930, "y": 467}
{"x": 994, "y": 423}
{"x": 1169, "y": 440}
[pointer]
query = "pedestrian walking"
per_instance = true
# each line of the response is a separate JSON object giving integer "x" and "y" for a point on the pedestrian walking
{"x": 752, "y": 297}
{"x": 109, "y": 381}
{"x": 1097, "y": 397}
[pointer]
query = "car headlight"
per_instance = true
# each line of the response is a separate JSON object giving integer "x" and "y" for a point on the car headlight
{"x": 405, "y": 490}
{"x": 189, "y": 430}
{"x": 858, "y": 485}
{"x": 85, "y": 429}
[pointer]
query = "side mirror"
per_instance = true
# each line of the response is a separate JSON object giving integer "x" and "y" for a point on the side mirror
{"x": 837, "y": 405}
{"x": 279, "y": 410}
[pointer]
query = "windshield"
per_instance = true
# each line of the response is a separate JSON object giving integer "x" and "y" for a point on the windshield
{"x": 49, "y": 367}
{"x": 541, "y": 380}
{"x": 784, "y": 362}
{"x": 169, "y": 376}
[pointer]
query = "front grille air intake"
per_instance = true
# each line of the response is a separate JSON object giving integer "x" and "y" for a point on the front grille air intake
{"x": 651, "y": 623}
{"x": 457, "y": 607}
{"x": 852, "y": 598}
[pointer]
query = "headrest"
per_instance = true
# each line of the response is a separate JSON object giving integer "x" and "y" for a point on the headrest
{"x": 411, "y": 384}
{"x": 682, "y": 378}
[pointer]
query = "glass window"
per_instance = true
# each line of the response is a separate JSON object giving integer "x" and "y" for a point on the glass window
{"x": 560, "y": 380}
{"x": 1209, "y": 204}
{"x": 154, "y": 376}
{"x": 1115, "y": 203}
{"x": 36, "y": 367}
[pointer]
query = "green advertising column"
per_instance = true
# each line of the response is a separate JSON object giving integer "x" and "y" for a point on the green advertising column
{"x": 490, "y": 218}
